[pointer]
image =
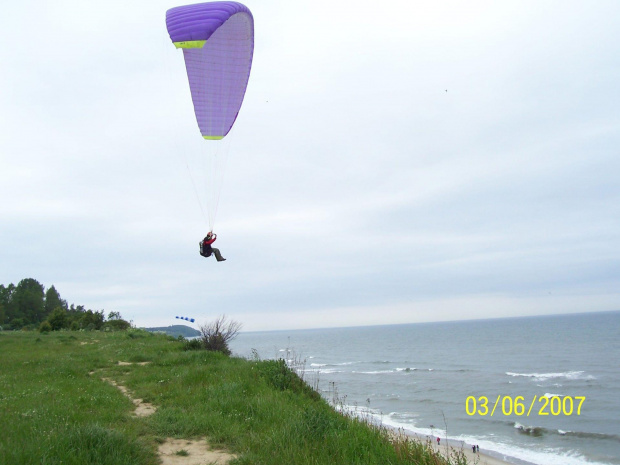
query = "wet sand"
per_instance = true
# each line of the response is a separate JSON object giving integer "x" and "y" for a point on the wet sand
{"x": 478, "y": 458}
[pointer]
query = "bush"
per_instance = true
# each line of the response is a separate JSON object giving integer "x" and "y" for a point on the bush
{"x": 59, "y": 319}
{"x": 138, "y": 333}
{"x": 217, "y": 335}
{"x": 193, "y": 344}
{"x": 45, "y": 327}
{"x": 117, "y": 325}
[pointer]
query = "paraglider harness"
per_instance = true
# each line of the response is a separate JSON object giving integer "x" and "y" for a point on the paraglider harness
{"x": 205, "y": 245}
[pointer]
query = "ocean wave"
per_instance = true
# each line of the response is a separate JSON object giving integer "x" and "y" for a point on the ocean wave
{"x": 409, "y": 369}
{"x": 570, "y": 375}
{"x": 325, "y": 371}
{"x": 385, "y": 396}
{"x": 377, "y": 372}
{"x": 547, "y": 456}
{"x": 333, "y": 364}
{"x": 429, "y": 401}
{"x": 586, "y": 435}
{"x": 329, "y": 368}
{"x": 549, "y": 395}
{"x": 393, "y": 370}
{"x": 407, "y": 423}
{"x": 488, "y": 445}
{"x": 538, "y": 431}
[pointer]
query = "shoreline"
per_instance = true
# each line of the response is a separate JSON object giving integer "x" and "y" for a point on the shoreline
{"x": 479, "y": 458}
{"x": 447, "y": 446}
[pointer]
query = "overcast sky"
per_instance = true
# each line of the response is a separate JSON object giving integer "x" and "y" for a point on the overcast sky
{"x": 392, "y": 162}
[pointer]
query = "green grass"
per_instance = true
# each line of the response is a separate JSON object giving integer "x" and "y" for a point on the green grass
{"x": 53, "y": 411}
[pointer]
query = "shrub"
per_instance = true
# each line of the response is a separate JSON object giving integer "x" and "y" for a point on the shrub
{"x": 193, "y": 344}
{"x": 134, "y": 333}
{"x": 45, "y": 327}
{"x": 117, "y": 325}
{"x": 59, "y": 319}
{"x": 217, "y": 335}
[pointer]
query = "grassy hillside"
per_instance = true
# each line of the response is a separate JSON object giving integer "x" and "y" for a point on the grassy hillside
{"x": 58, "y": 404}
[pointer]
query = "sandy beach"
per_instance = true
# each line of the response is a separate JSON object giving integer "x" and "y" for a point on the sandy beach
{"x": 479, "y": 458}
{"x": 483, "y": 459}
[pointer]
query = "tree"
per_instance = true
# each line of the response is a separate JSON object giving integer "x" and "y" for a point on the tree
{"x": 6, "y": 303}
{"x": 28, "y": 301}
{"x": 114, "y": 316}
{"x": 53, "y": 301}
{"x": 116, "y": 323}
{"x": 59, "y": 319}
{"x": 3, "y": 305}
{"x": 217, "y": 334}
{"x": 92, "y": 320}
{"x": 17, "y": 323}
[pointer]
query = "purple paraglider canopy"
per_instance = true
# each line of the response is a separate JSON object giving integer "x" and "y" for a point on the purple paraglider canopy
{"x": 217, "y": 39}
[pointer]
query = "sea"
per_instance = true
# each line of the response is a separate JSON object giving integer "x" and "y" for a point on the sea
{"x": 533, "y": 390}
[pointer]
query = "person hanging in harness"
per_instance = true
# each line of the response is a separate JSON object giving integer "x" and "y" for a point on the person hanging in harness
{"x": 206, "y": 250}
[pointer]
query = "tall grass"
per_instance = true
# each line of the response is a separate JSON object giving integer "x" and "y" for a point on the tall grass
{"x": 53, "y": 410}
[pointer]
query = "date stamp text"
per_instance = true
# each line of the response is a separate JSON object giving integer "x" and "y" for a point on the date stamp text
{"x": 508, "y": 405}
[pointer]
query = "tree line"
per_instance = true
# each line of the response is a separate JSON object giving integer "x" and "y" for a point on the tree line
{"x": 29, "y": 306}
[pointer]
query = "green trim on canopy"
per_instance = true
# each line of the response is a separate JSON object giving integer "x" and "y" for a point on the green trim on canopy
{"x": 213, "y": 137}
{"x": 190, "y": 44}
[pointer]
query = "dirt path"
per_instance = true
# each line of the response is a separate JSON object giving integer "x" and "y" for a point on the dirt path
{"x": 191, "y": 452}
{"x": 143, "y": 409}
{"x": 174, "y": 451}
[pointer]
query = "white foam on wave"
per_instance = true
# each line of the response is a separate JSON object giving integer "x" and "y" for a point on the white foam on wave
{"x": 394, "y": 370}
{"x": 492, "y": 446}
{"x": 323, "y": 370}
{"x": 408, "y": 369}
{"x": 570, "y": 375}
{"x": 377, "y": 372}
{"x": 410, "y": 426}
{"x": 549, "y": 395}
{"x": 538, "y": 456}
{"x": 342, "y": 364}
{"x": 328, "y": 368}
